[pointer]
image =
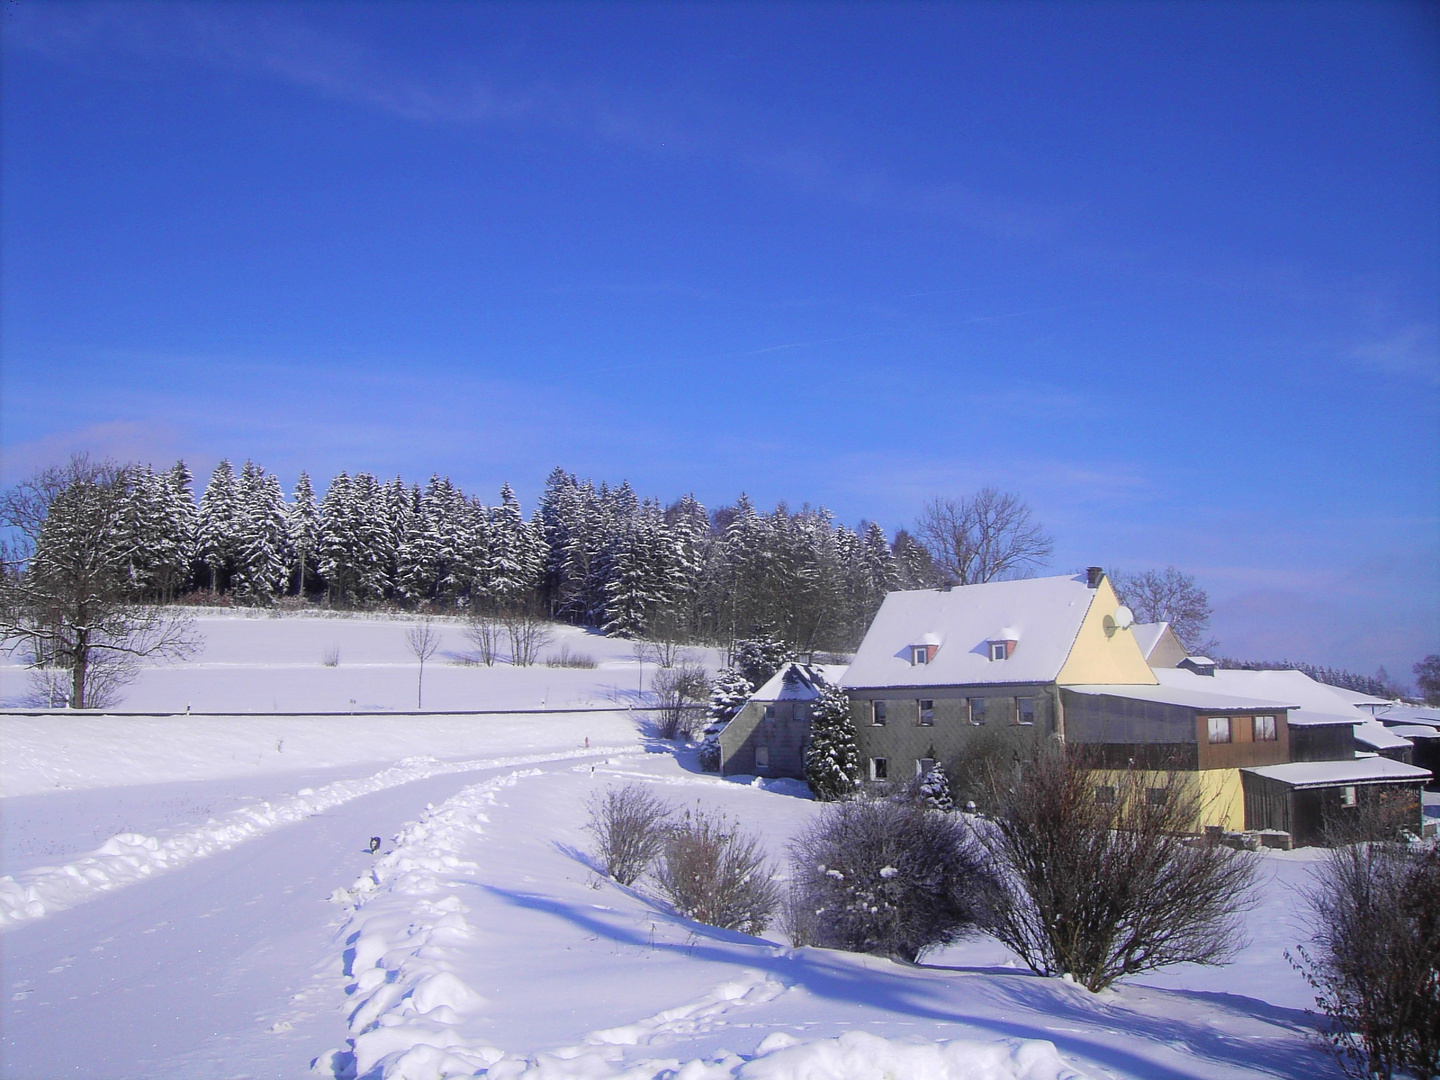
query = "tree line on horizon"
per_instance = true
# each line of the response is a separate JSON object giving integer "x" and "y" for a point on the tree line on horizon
{"x": 596, "y": 556}
{"x": 592, "y": 555}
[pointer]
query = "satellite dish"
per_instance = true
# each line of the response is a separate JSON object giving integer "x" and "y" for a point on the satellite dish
{"x": 1124, "y": 618}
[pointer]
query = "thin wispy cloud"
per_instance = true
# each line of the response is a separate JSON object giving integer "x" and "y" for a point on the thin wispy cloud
{"x": 1412, "y": 352}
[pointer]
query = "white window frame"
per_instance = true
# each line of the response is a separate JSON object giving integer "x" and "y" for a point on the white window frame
{"x": 769, "y": 713}
{"x": 879, "y": 713}
{"x": 921, "y": 710}
{"x": 999, "y": 650}
{"x": 922, "y": 770}
{"x": 1349, "y": 797}
{"x": 1020, "y": 711}
{"x": 919, "y": 654}
{"x": 877, "y": 766}
{"x": 1211, "y": 727}
{"x": 1265, "y": 729}
{"x": 984, "y": 710}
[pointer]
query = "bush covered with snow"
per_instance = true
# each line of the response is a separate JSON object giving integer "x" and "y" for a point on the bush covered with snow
{"x": 886, "y": 877}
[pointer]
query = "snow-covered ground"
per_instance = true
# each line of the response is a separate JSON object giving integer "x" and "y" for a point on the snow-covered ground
{"x": 195, "y": 897}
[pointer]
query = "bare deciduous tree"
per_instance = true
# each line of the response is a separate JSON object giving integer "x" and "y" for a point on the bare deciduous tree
{"x": 715, "y": 873}
{"x": 1374, "y": 960}
{"x": 528, "y": 632}
{"x": 1101, "y": 876}
{"x": 1172, "y": 596}
{"x": 629, "y": 825}
{"x": 67, "y": 594}
{"x": 988, "y": 536}
{"x": 484, "y": 630}
{"x": 422, "y": 639}
{"x": 680, "y": 692}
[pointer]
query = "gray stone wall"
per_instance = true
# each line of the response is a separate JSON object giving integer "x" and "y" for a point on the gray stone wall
{"x": 952, "y": 738}
{"x": 784, "y": 735}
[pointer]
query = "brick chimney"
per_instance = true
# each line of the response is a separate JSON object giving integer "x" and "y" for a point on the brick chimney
{"x": 1093, "y": 574}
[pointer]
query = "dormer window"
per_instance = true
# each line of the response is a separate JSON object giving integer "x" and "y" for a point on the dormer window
{"x": 1001, "y": 648}
{"x": 922, "y": 654}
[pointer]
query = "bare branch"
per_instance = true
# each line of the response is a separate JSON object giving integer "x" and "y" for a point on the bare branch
{"x": 989, "y": 536}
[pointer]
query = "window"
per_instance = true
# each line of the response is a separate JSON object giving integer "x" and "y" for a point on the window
{"x": 998, "y": 651}
{"x": 769, "y": 712}
{"x": 977, "y": 710}
{"x": 923, "y": 766}
{"x": 1157, "y": 796}
{"x": 762, "y": 757}
{"x": 927, "y": 712}
{"x": 877, "y": 713}
{"x": 802, "y": 712}
{"x": 1264, "y": 729}
{"x": 1105, "y": 795}
{"x": 1025, "y": 711}
{"x": 1219, "y": 729}
{"x": 920, "y": 654}
{"x": 879, "y": 768}
{"x": 1347, "y": 796}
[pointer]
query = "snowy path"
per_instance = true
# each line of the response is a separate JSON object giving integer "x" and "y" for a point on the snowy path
{"x": 182, "y": 974}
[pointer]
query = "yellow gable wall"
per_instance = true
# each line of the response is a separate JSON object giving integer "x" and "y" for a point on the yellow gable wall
{"x": 1096, "y": 658}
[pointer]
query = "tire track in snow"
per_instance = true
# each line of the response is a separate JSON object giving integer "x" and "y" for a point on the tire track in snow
{"x": 130, "y": 857}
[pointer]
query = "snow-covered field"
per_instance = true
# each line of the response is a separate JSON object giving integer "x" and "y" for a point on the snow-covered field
{"x": 195, "y": 897}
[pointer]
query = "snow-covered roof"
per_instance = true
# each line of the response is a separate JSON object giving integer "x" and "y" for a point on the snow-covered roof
{"x": 1147, "y": 634}
{"x": 1313, "y": 704}
{"x": 1370, "y": 770}
{"x": 1199, "y": 697}
{"x": 799, "y": 682}
{"x": 1412, "y": 732}
{"x": 1042, "y": 614}
{"x": 1424, "y": 715}
{"x": 1378, "y": 737}
{"x": 1355, "y": 697}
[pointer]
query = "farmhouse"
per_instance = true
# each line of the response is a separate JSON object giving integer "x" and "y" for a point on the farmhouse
{"x": 956, "y": 674}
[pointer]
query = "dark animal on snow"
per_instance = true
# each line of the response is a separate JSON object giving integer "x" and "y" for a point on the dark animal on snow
{"x": 374, "y": 844}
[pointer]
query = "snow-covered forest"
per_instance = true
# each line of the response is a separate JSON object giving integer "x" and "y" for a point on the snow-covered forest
{"x": 591, "y": 555}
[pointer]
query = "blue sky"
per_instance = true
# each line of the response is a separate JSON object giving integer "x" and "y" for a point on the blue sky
{"x": 1169, "y": 271}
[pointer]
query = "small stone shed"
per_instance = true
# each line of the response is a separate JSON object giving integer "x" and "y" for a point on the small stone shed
{"x": 768, "y": 736}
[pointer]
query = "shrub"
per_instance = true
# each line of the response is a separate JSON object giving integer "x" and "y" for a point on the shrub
{"x": 714, "y": 873}
{"x": 1097, "y": 888}
{"x": 332, "y": 656}
{"x": 678, "y": 692}
{"x": 567, "y": 659}
{"x": 629, "y": 825}
{"x": 1375, "y": 965}
{"x": 886, "y": 877}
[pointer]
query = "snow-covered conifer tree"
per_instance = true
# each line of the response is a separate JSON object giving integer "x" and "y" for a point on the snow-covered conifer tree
{"x": 934, "y": 789}
{"x": 832, "y": 760}
{"x": 302, "y": 529}
{"x": 218, "y": 526}
{"x": 261, "y": 560}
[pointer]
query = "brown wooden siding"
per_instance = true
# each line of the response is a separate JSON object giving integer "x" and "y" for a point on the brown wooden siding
{"x": 1242, "y": 751}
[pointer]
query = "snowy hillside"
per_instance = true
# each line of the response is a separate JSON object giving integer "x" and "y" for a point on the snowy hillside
{"x": 195, "y": 897}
